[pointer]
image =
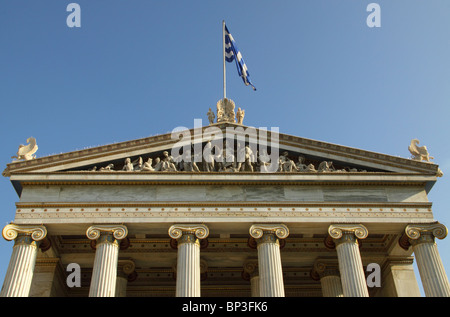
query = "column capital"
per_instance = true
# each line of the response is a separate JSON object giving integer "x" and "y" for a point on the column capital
{"x": 324, "y": 267}
{"x": 258, "y": 230}
{"x": 250, "y": 269}
{"x": 437, "y": 230}
{"x": 176, "y": 231}
{"x": 119, "y": 232}
{"x": 37, "y": 232}
{"x": 126, "y": 268}
{"x": 337, "y": 231}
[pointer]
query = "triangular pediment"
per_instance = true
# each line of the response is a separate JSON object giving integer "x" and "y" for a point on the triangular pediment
{"x": 339, "y": 158}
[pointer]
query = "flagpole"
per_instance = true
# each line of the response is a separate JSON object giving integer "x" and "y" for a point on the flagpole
{"x": 224, "y": 71}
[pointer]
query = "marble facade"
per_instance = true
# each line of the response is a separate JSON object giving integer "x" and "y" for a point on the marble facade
{"x": 240, "y": 234}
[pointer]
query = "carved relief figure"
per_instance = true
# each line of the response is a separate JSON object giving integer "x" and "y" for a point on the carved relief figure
{"x": 419, "y": 153}
{"x": 26, "y": 152}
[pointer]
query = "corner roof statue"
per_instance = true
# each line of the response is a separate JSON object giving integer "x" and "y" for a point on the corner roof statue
{"x": 26, "y": 152}
{"x": 419, "y": 153}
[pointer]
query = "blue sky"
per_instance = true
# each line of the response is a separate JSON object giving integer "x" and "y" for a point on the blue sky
{"x": 142, "y": 67}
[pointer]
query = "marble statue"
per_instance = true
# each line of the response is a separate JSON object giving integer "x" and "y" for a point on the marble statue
{"x": 189, "y": 164}
{"x": 301, "y": 166}
{"x": 128, "y": 166}
{"x": 249, "y": 157}
{"x": 325, "y": 167}
{"x": 419, "y": 153}
{"x": 109, "y": 167}
{"x": 263, "y": 161}
{"x": 158, "y": 164}
{"x": 286, "y": 164}
{"x": 26, "y": 152}
{"x": 168, "y": 163}
{"x": 147, "y": 166}
{"x": 211, "y": 116}
{"x": 208, "y": 165}
{"x": 240, "y": 115}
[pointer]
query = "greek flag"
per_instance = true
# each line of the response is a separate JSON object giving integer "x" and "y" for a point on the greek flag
{"x": 232, "y": 53}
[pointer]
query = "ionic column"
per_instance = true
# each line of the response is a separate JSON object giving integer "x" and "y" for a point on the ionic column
{"x": 327, "y": 272}
{"x": 421, "y": 237}
{"x": 269, "y": 258}
{"x": 125, "y": 273}
{"x": 251, "y": 273}
{"x": 104, "y": 272}
{"x": 345, "y": 237}
{"x": 20, "y": 270}
{"x": 188, "y": 258}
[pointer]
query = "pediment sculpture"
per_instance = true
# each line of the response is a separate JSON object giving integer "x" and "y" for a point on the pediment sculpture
{"x": 239, "y": 160}
{"x": 26, "y": 152}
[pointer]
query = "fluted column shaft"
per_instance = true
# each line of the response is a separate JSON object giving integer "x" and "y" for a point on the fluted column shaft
{"x": 125, "y": 271}
{"x": 327, "y": 272}
{"x": 269, "y": 258}
{"x": 350, "y": 263}
{"x": 331, "y": 286}
{"x": 188, "y": 267}
{"x": 20, "y": 270}
{"x": 104, "y": 272}
{"x": 188, "y": 258}
{"x": 432, "y": 273}
{"x": 255, "y": 286}
{"x": 252, "y": 273}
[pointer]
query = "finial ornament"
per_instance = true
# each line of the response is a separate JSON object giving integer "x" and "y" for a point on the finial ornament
{"x": 199, "y": 230}
{"x": 11, "y": 231}
{"x": 258, "y": 230}
{"x": 26, "y": 152}
{"x": 225, "y": 111}
{"x": 336, "y": 231}
{"x": 118, "y": 231}
{"x": 438, "y": 230}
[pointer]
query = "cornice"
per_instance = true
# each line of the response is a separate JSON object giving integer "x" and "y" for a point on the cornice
{"x": 238, "y": 204}
{"x": 152, "y": 143}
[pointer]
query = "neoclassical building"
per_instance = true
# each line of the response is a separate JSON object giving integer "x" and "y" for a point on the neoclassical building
{"x": 144, "y": 218}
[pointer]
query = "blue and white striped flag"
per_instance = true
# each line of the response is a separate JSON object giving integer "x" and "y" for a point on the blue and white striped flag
{"x": 232, "y": 53}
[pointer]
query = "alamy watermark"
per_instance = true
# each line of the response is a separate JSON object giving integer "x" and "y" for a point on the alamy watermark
{"x": 235, "y": 149}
